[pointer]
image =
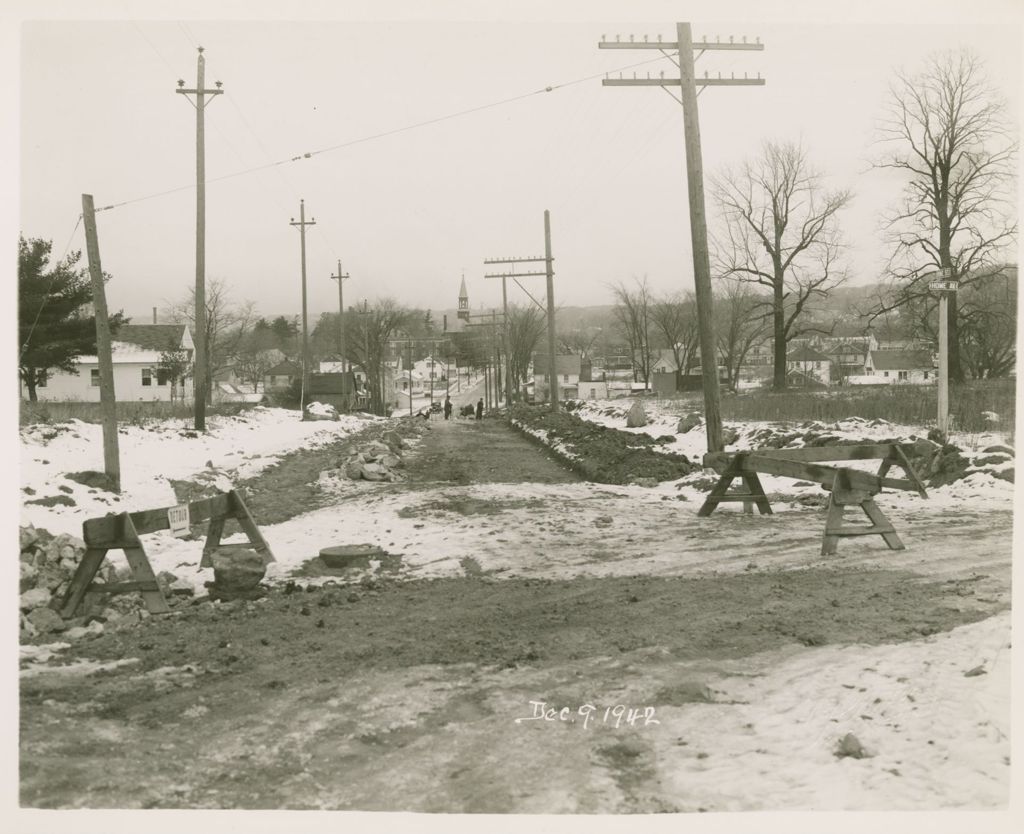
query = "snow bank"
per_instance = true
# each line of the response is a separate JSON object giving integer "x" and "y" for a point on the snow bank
{"x": 153, "y": 455}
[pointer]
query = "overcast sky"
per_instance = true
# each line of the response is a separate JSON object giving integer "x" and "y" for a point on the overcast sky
{"x": 409, "y": 212}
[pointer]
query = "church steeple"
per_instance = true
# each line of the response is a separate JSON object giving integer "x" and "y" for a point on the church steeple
{"x": 463, "y": 300}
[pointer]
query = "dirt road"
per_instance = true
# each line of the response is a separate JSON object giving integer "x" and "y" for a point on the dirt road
{"x": 391, "y": 690}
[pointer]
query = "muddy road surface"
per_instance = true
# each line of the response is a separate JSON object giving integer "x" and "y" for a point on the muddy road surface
{"x": 610, "y": 685}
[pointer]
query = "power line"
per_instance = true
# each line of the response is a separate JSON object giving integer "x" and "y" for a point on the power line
{"x": 381, "y": 135}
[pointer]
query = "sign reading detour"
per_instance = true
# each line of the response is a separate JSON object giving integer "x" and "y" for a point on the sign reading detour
{"x": 177, "y": 517}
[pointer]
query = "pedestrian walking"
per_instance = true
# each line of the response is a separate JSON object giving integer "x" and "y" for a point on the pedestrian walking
{"x": 480, "y": 409}
{"x": 447, "y": 407}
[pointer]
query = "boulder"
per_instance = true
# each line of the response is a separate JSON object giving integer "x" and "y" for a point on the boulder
{"x": 390, "y": 461}
{"x": 373, "y": 472}
{"x": 35, "y": 598}
{"x": 689, "y": 422}
{"x": 1006, "y": 450}
{"x": 354, "y": 469}
{"x": 27, "y": 629}
{"x": 636, "y": 416}
{"x": 46, "y": 620}
{"x": 394, "y": 440}
{"x": 236, "y": 571}
{"x": 27, "y": 536}
{"x": 729, "y": 436}
{"x": 29, "y": 575}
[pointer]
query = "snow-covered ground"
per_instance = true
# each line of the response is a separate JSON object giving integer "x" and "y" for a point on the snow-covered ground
{"x": 153, "y": 455}
{"x": 936, "y": 738}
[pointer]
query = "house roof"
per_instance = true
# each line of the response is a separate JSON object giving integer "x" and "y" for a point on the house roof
{"x": 565, "y": 363}
{"x": 332, "y": 383}
{"x": 286, "y": 368}
{"x": 806, "y": 354}
{"x": 901, "y": 360}
{"x": 853, "y": 346}
{"x": 159, "y": 337}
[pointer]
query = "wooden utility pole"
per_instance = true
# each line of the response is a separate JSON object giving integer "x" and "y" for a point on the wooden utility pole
{"x": 202, "y": 376}
{"x": 688, "y": 83}
{"x": 108, "y": 405}
{"x": 552, "y": 365}
{"x": 302, "y": 223}
{"x": 945, "y": 288}
{"x": 549, "y": 311}
{"x": 341, "y": 277}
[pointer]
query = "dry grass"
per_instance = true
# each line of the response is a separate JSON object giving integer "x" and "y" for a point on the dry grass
{"x": 904, "y": 404}
{"x": 137, "y": 413}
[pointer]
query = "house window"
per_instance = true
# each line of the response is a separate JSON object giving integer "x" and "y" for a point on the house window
{"x": 41, "y": 382}
{"x": 94, "y": 377}
{"x": 565, "y": 377}
{"x": 885, "y": 373}
{"x": 163, "y": 376}
{"x": 926, "y": 374}
{"x": 902, "y": 374}
{"x": 147, "y": 376}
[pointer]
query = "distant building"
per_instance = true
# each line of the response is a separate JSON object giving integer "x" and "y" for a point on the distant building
{"x": 914, "y": 367}
{"x": 136, "y": 352}
{"x": 568, "y": 366}
{"x": 337, "y": 389}
{"x": 281, "y": 375}
{"x": 807, "y": 367}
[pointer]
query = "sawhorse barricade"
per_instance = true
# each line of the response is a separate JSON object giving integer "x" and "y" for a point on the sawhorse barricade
{"x": 122, "y": 531}
{"x": 847, "y": 487}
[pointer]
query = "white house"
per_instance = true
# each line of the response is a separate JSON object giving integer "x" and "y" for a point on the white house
{"x": 807, "y": 366}
{"x": 567, "y": 366}
{"x": 136, "y": 351}
{"x": 914, "y": 367}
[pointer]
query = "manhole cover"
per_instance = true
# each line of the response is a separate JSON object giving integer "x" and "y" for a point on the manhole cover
{"x": 343, "y": 555}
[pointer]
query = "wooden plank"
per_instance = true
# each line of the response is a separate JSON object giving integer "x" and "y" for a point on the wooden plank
{"x": 716, "y": 495}
{"x": 865, "y": 451}
{"x": 124, "y": 587}
{"x": 109, "y": 531}
{"x": 879, "y": 520}
{"x": 84, "y": 574}
{"x": 803, "y": 471}
{"x": 248, "y": 524}
{"x": 754, "y": 485}
{"x": 212, "y": 542}
{"x": 904, "y": 461}
{"x": 141, "y": 569}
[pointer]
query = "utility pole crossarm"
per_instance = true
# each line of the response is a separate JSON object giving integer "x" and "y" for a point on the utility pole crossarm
{"x": 697, "y": 45}
{"x": 515, "y": 261}
{"x": 677, "y": 82}
{"x": 513, "y": 274}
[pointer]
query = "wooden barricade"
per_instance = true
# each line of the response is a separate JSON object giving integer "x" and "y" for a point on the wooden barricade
{"x": 847, "y": 487}
{"x": 122, "y": 531}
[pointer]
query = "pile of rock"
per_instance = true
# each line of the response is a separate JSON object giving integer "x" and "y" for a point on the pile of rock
{"x": 47, "y": 564}
{"x": 376, "y": 460}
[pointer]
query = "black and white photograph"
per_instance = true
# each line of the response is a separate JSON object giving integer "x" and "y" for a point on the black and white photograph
{"x": 370, "y": 459}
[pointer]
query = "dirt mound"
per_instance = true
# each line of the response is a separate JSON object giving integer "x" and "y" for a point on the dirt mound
{"x": 602, "y": 454}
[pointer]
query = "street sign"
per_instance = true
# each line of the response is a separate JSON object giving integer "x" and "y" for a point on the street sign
{"x": 944, "y": 286}
{"x": 177, "y": 518}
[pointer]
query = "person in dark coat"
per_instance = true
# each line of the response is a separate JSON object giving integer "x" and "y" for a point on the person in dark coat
{"x": 447, "y": 407}
{"x": 480, "y": 409}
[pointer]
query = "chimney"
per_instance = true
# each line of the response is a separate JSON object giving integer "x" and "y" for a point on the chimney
{"x": 154, "y": 315}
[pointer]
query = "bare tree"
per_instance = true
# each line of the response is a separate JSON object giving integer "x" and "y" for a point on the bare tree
{"x": 780, "y": 231}
{"x": 675, "y": 320}
{"x": 226, "y": 325}
{"x": 526, "y": 325}
{"x": 743, "y": 317}
{"x": 988, "y": 325}
{"x": 372, "y": 330}
{"x": 945, "y": 132}
{"x": 632, "y": 312}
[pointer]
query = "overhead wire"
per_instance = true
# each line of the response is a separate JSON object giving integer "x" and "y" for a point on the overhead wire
{"x": 380, "y": 135}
